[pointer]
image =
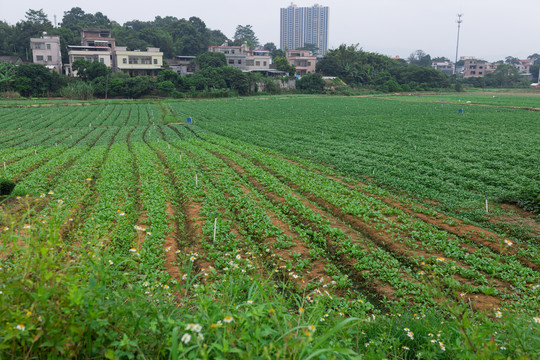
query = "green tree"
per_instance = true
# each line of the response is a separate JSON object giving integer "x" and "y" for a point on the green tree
{"x": 313, "y": 83}
{"x": 311, "y": 47}
{"x": 165, "y": 87}
{"x": 511, "y": 60}
{"x": 246, "y": 33}
{"x": 211, "y": 59}
{"x": 7, "y": 75}
{"x": 419, "y": 57}
{"x": 506, "y": 76}
{"x": 440, "y": 59}
{"x": 281, "y": 63}
{"x": 80, "y": 66}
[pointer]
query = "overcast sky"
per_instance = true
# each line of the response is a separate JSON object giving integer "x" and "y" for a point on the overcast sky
{"x": 491, "y": 29}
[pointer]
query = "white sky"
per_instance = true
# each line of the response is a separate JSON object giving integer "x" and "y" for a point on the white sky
{"x": 491, "y": 29}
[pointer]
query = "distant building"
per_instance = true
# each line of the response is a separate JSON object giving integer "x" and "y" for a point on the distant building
{"x": 102, "y": 54}
{"x": 446, "y": 67}
{"x": 303, "y": 60}
{"x": 46, "y": 51}
{"x": 97, "y": 37}
{"x": 98, "y": 45}
{"x": 304, "y": 25}
{"x": 242, "y": 58}
{"x": 258, "y": 59}
{"x": 477, "y": 68}
{"x": 15, "y": 60}
{"x": 138, "y": 63}
{"x": 524, "y": 66}
{"x": 182, "y": 65}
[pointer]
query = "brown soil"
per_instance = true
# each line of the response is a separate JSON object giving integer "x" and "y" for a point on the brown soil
{"x": 171, "y": 245}
{"x": 449, "y": 224}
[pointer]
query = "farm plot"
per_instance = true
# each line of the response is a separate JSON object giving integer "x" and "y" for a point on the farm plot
{"x": 181, "y": 217}
{"x": 428, "y": 150}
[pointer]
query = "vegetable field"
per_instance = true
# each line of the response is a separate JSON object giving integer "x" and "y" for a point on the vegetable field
{"x": 273, "y": 227}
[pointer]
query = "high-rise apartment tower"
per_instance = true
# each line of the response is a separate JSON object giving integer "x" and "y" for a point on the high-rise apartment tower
{"x": 304, "y": 25}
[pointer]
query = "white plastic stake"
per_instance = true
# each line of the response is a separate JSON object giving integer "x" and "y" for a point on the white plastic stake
{"x": 89, "y": 125}
{"x": 196, "y": 179}
{"x": 487, "y": 209}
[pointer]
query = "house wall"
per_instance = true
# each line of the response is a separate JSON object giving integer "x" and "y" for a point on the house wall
{"x": 46, "y": 51}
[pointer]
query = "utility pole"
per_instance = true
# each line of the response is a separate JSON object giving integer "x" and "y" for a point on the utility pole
{"x": 459, "y": 21}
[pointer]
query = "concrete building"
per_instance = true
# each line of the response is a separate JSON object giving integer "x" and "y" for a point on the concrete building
{"x": 446, "y": 67}
{"x": 304, "y": 25}
{"x": 46, "y": 51}
{"x": 258, "y": 60}
{"x": 96, "y": 45}
{"x": 303, "y": 60}
{"x": 102, "y": 54}
{"x": 182, "y": 65}
{"x": 15, "y": 60}
{"x": 524, "y": 66}
{"x": 242, "y": 58}
{"x": 236, "y": 55}
{"x": 477, "y": 68}
{"x": 138, "y": 63}
{"x": 97, "y": 37}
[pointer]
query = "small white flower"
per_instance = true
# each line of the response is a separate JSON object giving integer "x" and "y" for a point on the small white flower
{"x": 21, "y": 327}
{"x": 186, "y": 338}
{"x": 228, "y": 319}
{"x": 111, "y": 262}
{"x": 250, "y": 302}
{"x": 498, "y": 314}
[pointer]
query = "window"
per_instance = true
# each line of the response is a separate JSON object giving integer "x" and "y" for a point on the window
{"x": 239, "y": 62}
{"x": 49, "y": 58}
{"x": 48, "y": 46}
{"x": 155, "y": 61}
{"x": 479, "y": 73}
{"x": 37, "y": 46}
{"x": 231, "y": 62}
{"x": 39, "y": 58}
{"x": 102, "y": 60}
{"x": 124, "y": 61}
{"x": 264, "y": 63}
{"x": 257, "y": 63}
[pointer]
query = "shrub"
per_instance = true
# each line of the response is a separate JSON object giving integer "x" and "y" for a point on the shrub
{"x": 6, "y": 187}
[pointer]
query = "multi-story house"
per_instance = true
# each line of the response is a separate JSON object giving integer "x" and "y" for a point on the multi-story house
{"x": 477, "y": 68}
{"x": 304, "y": 25}
{"x": 524, "y": 66}
{"x": 446, "y": 67}
{"x": 96, "y": 45}
{"x": 182, "y": 65}
{"x": 242, "y": 58}
{"x": 258, "y": 59}
{"x": 138, "y": 63}
{"x": 236, "y": 55}
{"x": 46, "y": 51}
{"x": 97, "y": 37}
{"x": 303, "y": 60}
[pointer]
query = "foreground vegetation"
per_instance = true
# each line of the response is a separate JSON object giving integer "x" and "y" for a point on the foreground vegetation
{"x": 132, "y": 235}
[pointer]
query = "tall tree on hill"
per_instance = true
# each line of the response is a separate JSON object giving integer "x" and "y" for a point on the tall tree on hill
{"x": 246, "y": 33}
{"x": 419, "y": 57}
{"x": 35, "y": 24}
